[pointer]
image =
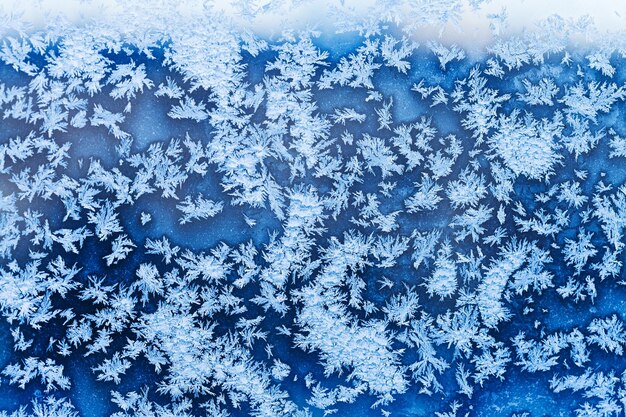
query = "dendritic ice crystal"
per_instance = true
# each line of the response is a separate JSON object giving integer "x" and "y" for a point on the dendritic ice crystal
{"x": 309, "y": 208}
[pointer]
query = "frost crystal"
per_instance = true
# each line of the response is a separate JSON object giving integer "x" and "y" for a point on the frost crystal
{"x": 207, "y": 208}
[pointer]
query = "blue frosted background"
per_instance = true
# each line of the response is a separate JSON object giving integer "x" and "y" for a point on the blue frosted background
{"x": 148, "y": 124}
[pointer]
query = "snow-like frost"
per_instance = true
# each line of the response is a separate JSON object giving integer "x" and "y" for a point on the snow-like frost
{"x": 310, "y": 222}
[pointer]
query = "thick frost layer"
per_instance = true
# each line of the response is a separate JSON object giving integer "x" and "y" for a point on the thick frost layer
{"x": 198, "y": 220}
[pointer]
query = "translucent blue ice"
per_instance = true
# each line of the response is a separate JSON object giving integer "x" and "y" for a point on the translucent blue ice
{"x": 214, "y": 222}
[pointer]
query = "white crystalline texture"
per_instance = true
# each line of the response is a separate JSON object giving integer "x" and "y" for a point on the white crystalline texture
{"x": 310, "y": 221}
